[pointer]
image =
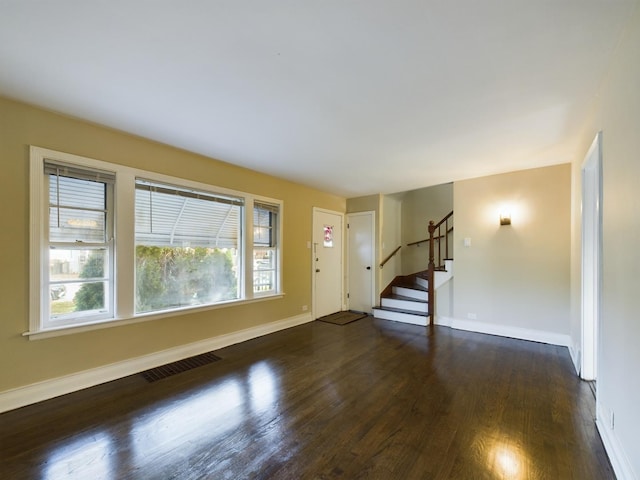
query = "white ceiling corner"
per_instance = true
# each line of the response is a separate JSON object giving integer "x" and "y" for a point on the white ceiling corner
{"x": 353, "y": 98}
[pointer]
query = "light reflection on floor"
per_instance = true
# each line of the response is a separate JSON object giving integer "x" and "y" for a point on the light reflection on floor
{"x": 507, "y": 460}
{"x": 87, "y": 456}
{"x": 208, "y": 414}
{"x": 180, "y": 427}
{"x": 262, "y": 386}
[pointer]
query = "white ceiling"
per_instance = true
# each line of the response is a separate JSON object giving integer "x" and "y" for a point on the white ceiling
{"x": 350, "y": 96}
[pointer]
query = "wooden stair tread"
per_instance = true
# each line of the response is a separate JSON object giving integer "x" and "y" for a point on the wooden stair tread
{"x": 402, "y": 310}
{"x": 410, "y": 284}
{"x": 403, "y": 297}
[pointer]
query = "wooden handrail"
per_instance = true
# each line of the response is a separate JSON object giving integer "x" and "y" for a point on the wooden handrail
{"x": 432, "y": 265}
{"x": 426, "y": 239}
{"x": 390, "y": 256}
{"x": 447, "y": 217}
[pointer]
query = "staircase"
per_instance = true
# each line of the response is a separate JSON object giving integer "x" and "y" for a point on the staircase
{"x": 406, "y": 299}
{"x": 411, "y": 298}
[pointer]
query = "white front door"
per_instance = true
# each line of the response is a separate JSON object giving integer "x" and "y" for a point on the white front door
{"x": 360, "y": 252}
{"x": 327, "y": 262}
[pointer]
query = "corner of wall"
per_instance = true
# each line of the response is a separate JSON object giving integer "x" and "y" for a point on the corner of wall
{"x": 619, "y": 461}
{"x": 55, "y": 387}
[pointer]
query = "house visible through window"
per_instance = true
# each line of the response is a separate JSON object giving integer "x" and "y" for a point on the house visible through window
{"x": 80, "y": 253}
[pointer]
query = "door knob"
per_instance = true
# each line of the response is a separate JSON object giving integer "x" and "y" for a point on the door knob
{"x": 317, "y": 270}
{"x": 368, "y": 268}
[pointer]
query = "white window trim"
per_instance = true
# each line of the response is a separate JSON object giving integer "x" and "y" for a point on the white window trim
{"x": 249, "y": 265}
{"x": 124, "y": 211}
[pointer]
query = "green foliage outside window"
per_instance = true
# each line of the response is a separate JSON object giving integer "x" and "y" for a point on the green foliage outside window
{"x": 91, "y": 295}
{"x": 169, "y": 277}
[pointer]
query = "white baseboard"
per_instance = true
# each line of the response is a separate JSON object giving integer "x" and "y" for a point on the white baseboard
{"x": 505, "y": 331}
{"x": 619, "y": 460}
{"x": 37, "y": 392}
{"x": 574, "y": 351}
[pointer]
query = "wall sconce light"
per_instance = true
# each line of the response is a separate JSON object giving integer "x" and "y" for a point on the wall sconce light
{"x": 505, "y": 218}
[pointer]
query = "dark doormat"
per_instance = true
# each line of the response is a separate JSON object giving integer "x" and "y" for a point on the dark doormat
{"x": 342, "y": 318}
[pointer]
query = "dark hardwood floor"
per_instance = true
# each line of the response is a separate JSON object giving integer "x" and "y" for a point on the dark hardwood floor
{"x": 372, "y": 399}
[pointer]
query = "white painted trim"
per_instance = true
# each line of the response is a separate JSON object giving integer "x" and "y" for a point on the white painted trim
{"x": 618, "y": 457}
{"x": 443, "y": 321}
{"x": 55, "y": 387}
{"x": 575, "y": 356}
{"x": 411, "y": 305}
{"x": 87, "y": 327}
{"x": 402, "y": 317}
{"x": 411, "y": 293}
{"x": 541, "y": 336}
{"x": 591, "y": 258}
{"x": 440, "y": 277}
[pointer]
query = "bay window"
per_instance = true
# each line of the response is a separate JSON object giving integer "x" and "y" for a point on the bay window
{"x": 111, "y": 243}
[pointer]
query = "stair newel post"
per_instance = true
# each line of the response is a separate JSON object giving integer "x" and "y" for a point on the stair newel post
{"x": 439, "y": 246}
{"x": 430, "y": 273}
{"x": 446, "y": 239}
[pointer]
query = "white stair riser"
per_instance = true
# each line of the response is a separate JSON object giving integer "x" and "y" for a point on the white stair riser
{"x": 423, "y": 282}
{"x": 405, "y": 304}
{"x": 400, "y": 317}
{"x": 448, "y": 266}
{"x": 440, "y": 278}
{"x": 409, "y": 292}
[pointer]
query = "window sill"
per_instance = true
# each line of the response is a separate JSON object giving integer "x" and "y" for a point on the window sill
{"x": 101, "y": 324}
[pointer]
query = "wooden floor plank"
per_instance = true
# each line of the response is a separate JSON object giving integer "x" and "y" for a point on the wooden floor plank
{"x": 371, "y": 399}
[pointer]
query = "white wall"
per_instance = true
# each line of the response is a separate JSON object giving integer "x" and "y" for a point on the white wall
{"x": 514, "y": 280}
{"x": 418, "y": 208}
{"x": 390, "y": 238}
{"x": 618, "y": 385}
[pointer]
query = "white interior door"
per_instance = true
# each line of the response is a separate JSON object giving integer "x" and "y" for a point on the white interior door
{"x": 327, "y": 262}
{"x": 361, "y": 263}
{"x": 591, "y": 257}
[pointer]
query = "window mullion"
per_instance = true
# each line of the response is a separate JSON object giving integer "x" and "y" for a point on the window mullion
{"x": 248, "y": 247}
{"x": 124, "y": 235}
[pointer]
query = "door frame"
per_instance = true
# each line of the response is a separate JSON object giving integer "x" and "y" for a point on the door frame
{"x": 374, "y": 270}
{"x": 313, "y": 258}
{"x": 591, "y": 273}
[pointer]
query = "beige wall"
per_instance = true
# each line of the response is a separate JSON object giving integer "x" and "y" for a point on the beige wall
{"x": 390, "y": 239}
{"x": 388, "y": 228}
{"x": 617, "y": 115}
{"x": 25, "y": 361}
{"x": 371, "y": 203}
{"x": 418, "y": 208}
{"x": 516, "y": 276}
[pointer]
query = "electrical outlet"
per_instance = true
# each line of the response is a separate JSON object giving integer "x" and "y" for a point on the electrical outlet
{"x": 305, "y": 308}
{"x": 611, "y": 421}
{"x": 472, "y": 316}
{"x": 607, "y": 417}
